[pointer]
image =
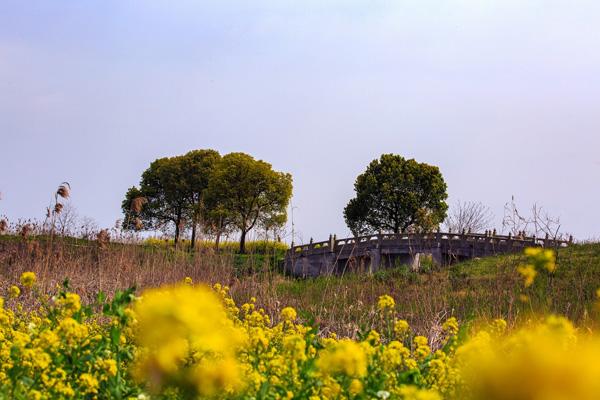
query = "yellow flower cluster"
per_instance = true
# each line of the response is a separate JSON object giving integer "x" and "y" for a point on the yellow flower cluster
{"x": 538, "y": 259}
{"x": 186, "y": 337}
{"x": 386, "y": 303}
{"x": 192, "y": 341}
{"x": 541, "y": 258}
{"x": 28, "y": 279}
{"x": 55, "y": 352}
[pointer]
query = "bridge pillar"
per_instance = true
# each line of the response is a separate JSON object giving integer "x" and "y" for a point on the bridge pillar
{"x": 375, "y": 262}
{"x": 436, "y": 256}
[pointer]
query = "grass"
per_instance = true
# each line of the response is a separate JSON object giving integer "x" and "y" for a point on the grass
{"x": 478, "y": 289}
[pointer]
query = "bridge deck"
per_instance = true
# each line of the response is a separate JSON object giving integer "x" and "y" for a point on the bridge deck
{"x": 384, "y": 250}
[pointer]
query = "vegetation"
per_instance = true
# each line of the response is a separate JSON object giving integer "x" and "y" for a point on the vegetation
{"x": 185, "y": 341}
{"x": 477, "y": 289}
{"x": 263, "y": 247}
{"x": 469, "y": 216}
{"x": 201, "y": 188}
{"x": 250, "y": 193}
{"x": 395, "y": 195}
{"x": 514, "y": 326}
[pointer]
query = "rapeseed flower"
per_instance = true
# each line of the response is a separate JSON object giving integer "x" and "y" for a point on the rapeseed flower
{"x": 401, "y": 328}
{"x": 450, "y": 327}
{"x": 176, "y": 322}
{"x": 28, "y": 279}
{"x": 14, "y": 291}
{"x": 528, "y": 273}
{"x": 386, "y": 303}
{"x": 70, "y": 303}
{"x": 88, "y": 383}
{"x": 541, "y": 258}
{"x": 288, "y": 314}
{"x": 344, "y": 357}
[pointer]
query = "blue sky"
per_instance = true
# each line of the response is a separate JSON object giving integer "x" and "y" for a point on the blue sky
{"x": 502, "y": 95}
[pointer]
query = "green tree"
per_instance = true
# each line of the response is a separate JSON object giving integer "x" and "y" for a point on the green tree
{"x": 395, "y": 194}
{"x": 132, "y": 207}
{"x": 217, "y": 220}
{"x": 249, "y": 192}
{"x": 198, "y": 166}
{"x": 163, "y": 185}
{"x": 172, "y": 192}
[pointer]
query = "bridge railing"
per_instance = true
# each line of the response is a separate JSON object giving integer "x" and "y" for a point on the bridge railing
{"x": 334, "y": 244}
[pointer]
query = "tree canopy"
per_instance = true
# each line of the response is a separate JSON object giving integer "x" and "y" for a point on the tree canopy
{"x": 201, "y": 188}
{"x": 165, "y": 190}
{"x": 396, "y": 195}
{"x": 249, "y": 193}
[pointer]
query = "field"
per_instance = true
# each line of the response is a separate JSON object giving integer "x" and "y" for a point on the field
{"x": 260, "y": 334}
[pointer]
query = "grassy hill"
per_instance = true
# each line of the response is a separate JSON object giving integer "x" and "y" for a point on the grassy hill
{"x": 479, "y": 289}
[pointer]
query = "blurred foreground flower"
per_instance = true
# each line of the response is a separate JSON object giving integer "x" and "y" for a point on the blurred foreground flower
{"x": 181, "y": 323}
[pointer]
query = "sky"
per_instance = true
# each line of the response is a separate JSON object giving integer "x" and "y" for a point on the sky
{"x": 503, "y": 96}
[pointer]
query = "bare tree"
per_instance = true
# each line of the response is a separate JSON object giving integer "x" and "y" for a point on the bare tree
{"x": 539, "y": 222}
{"x": 88, "y": 228}
{"x": 66, "y": 219}
{"x": 469, "y": 216}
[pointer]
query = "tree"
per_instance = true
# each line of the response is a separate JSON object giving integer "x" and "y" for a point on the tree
{"x": 249, "y": 192}
{"x": 66, "y": 219}
{"x": 165, "y": 190}
{"x": 395, "y": 195}
{"x": 469, "y": 216}
{"x": 538, "y": 223}
{"x": 218, "y": 221}
{"x": 198, "y": 166}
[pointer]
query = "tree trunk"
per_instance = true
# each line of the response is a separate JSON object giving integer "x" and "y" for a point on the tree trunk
{"x": 217, "y": 241}
{"x": 193, "y": 239}
{"x": 177, "y": 223}
{"x": 243, "y": 242}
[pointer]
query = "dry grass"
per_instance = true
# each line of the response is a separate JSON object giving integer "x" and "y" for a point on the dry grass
{"x": 480, "y": 289}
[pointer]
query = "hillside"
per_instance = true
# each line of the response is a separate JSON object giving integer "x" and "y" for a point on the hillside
{"x": 474, "y": 290}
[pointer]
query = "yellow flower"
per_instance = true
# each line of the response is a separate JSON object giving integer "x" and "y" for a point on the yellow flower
{"x": 373, "y": 337}
{"x": 72, "y": 331}
{"x": 346, "y": 357}
{"x": 528, "y": 273}
{"x": 28, "y": 279}
{"x": 296, "y": 346}
{"x": 450, "y": 326}
{"x": 541, "y": 361}
{"x": 174, "y": 323}
{"x": 401, "y": 328}
{"x": 14, "y": 291}
{"x": 288, "y": 314}
{"x": 541, "y": 258}
{"x": 499, "y": 326}
{"x": 35, "y": 395}
{"x": 422, "y": 349}
{"x": 211, "y": 378}
{"x": 188, "y": 281}
{"x": 88, "y": 383}
{"x": 109, "y": 366}
{"x": 414, "y": 393}
{"x": 70, "y": 304}
{"x": 355, "y": 387}
{"x": 386, "y": 303}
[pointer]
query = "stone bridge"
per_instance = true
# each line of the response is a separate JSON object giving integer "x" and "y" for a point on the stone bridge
{"x": 374, "y": 252}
